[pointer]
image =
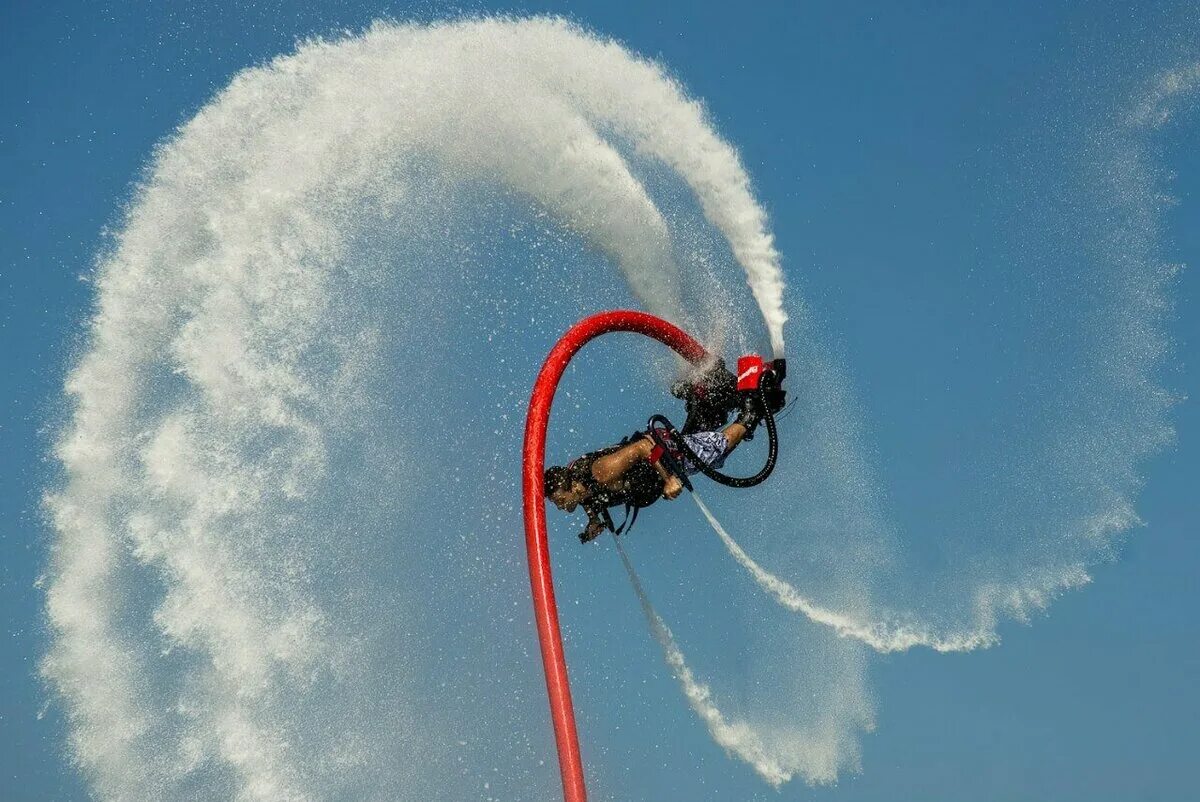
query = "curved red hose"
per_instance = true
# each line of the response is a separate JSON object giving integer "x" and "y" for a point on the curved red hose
{"x": 545, "y": 611}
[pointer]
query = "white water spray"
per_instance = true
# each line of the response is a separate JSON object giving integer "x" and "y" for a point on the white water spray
{"x": 238, "y": 600}
{"x": 883, "y": 637}
{"x": 1116, "y": 393}
{"x": 737, "y": 737}
{"x": 225, "y": 460}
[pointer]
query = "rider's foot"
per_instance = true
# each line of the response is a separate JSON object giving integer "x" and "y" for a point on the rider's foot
{"x": 751, "y": 414}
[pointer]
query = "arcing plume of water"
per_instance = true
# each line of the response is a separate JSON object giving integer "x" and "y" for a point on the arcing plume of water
{"x": 242, "y": 594}
{"x": 1091, "y": 478}
{"x": 210, "y": 592}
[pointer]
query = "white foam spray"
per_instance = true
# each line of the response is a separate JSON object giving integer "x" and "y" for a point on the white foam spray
{"x": 736, "y": 737}
{"x": 223, "y": 408}
{"x": 881, "y": 636}
{"x": 1065, "y": 509}
{"x": 214, "y": 593}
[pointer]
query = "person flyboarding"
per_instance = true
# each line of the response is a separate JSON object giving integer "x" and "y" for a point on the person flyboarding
{"x": 655, "y": 463}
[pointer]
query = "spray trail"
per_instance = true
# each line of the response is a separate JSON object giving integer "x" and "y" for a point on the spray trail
{"x": 879, "y": 636}
{"x": 736, "y": 737}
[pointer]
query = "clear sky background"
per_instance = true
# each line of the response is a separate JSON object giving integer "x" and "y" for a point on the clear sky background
{"x": 899, "y": 149}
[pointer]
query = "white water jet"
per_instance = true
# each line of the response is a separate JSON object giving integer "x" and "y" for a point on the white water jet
{"x": 736, "y": 737}
{"x": 880, "y": 636}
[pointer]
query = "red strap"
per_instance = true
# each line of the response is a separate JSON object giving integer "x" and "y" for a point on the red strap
{"x": 656, "y": 453}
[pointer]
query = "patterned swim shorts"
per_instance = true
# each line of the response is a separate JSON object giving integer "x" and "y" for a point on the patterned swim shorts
{"x": 710, "y": 447}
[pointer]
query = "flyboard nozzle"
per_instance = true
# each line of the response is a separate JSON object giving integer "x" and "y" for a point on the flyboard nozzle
{"x": 756, "y": 374}
{"x": 752, "y": 369}
{"x": 712, "y": 395}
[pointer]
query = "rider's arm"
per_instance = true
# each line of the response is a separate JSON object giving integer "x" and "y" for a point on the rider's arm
{"x": 672, "y": 486}
{"x": 611, "y": 467}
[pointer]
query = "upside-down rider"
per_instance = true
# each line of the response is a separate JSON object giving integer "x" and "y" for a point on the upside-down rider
{"x": 643, "y": 467}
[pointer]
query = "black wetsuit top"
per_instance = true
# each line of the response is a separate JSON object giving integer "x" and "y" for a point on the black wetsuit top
{"x": 640, "y": 486}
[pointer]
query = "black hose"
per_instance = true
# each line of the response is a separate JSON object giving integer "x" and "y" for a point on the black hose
{"x": 713, "y": 473}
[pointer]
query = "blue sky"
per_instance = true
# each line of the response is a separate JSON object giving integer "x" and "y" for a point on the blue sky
{"x": 911, "y": 161}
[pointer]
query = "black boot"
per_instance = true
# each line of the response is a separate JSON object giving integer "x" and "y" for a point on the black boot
{"x": 752, "y": 412}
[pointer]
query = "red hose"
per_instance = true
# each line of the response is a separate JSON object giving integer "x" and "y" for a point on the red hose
{"x": 545, "y": 611}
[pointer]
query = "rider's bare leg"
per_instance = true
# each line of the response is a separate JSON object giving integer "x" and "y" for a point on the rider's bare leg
{"x": 734, "y": 434}
{"x": 610, "y": 468}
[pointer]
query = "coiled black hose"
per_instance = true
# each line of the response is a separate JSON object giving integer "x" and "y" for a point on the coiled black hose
{"x": 712, "y": 473}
